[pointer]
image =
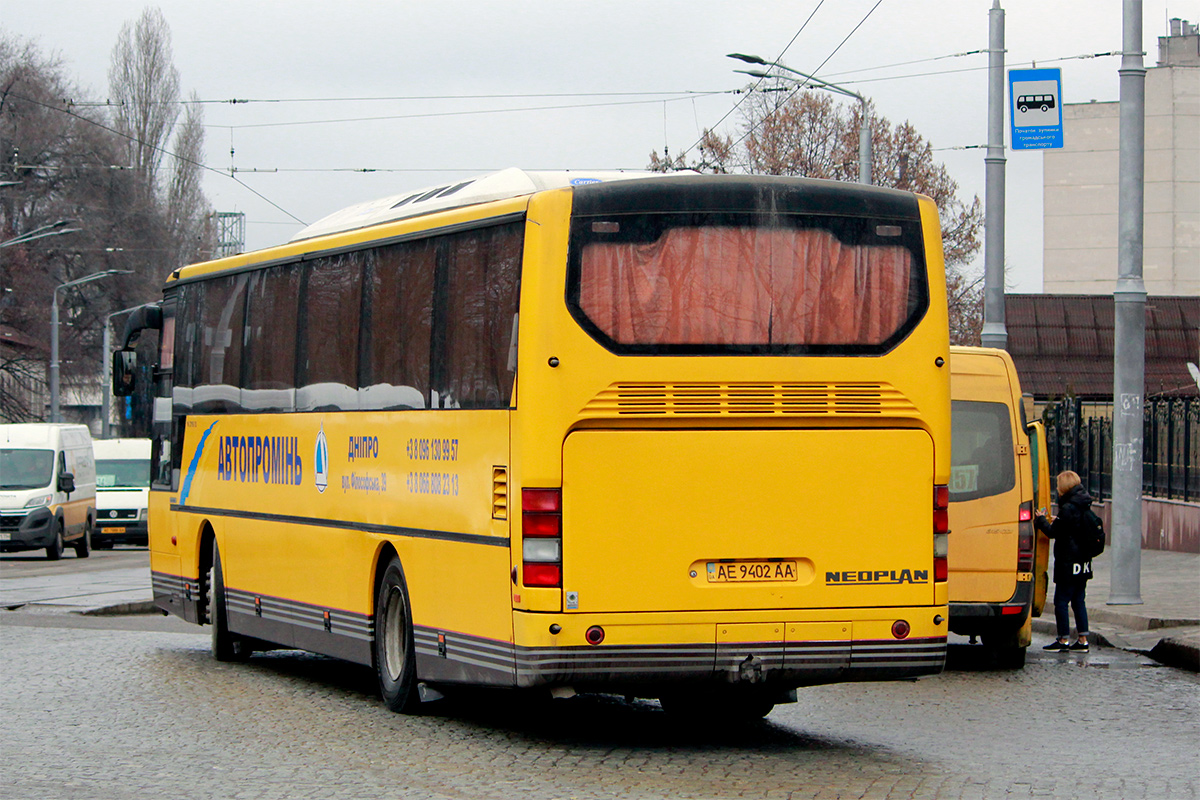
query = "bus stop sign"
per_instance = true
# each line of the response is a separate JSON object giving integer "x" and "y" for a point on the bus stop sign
{"x": 1035, "y": 108}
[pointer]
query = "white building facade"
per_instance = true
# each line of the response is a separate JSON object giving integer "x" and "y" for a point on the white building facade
{"x": 1080, "y": 183}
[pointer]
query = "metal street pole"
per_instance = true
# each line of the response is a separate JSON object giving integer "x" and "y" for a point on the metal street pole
{"x": 864, "y": 126}
{"x": 994, "y": 333}
{"x": 1129, "y": 319}
{"x": 55, "y": 416}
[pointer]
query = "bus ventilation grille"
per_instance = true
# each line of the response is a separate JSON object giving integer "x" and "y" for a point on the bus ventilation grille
{"x": 748, "y": 399}
{"x": 499, "y": 493}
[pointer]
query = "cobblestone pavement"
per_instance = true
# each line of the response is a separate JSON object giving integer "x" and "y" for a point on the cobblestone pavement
{"x": 91, "y": 710}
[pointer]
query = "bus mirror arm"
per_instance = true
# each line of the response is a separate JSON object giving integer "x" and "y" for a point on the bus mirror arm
{"x": 148, "y": 316}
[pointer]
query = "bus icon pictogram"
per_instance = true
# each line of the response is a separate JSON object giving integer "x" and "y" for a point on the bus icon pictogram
{"x": 1043, "y": 102}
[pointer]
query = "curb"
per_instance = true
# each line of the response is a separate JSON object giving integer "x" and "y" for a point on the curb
{"x": 1177, "y": 653}
{"x": 121, "y": 609}
{"x": 1170, "y": 651}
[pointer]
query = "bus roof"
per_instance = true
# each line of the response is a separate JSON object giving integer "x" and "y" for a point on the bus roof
{"x": 501, "y": 185}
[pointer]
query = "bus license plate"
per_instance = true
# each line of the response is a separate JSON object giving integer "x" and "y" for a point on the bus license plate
{"x": 751, "y": 571}
{"x": 120, "y": 529}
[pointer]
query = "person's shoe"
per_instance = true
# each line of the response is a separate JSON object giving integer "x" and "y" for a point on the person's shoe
{"x": 1078, "y": 647}
{"x": 1057, "y": 645}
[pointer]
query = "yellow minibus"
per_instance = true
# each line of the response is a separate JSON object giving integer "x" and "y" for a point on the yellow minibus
{"x": 998, "y": 478}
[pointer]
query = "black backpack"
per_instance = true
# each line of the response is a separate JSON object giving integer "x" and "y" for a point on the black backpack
{"x": 1092, "y": 538}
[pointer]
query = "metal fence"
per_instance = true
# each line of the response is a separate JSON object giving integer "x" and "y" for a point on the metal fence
{"x": 1079, "y": 437}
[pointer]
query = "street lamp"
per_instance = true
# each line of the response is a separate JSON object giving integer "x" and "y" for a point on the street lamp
{"x": 95, "y": 276}
{"x": 53, "y": 229}
{"x": 864, "y": 127}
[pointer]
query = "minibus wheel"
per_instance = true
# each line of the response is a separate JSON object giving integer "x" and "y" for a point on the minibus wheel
{"x": 83, "y": 547}
{"x": 1005, "y": 650}
{"x": 54, "y": 551}
{"x": 226, "y": 645}
{"x": 395, "y": 662}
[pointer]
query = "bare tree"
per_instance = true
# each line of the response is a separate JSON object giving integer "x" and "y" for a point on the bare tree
{"x": 808, "y": 134}
{"x": 188, "y": 210}
{"x": 63, "y": 162}
{"x": 144, "y": 88}
{"x": 58, "y": 166}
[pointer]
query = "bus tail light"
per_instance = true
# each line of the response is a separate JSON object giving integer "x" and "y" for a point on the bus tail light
{"x": 941, "y": 509}
{"x": 1025, "y": 538}
{"x": 541, "y": 537}
{"x": 941, "y": 529}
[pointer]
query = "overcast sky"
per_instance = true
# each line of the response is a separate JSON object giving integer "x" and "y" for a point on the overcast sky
{"x": 414, "y": 90}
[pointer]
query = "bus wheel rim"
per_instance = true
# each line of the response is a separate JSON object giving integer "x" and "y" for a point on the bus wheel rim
{"x": 394, "y": 655}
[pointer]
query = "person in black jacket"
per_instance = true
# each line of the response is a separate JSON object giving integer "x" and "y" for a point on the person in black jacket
{"x": 1072, "y": 567}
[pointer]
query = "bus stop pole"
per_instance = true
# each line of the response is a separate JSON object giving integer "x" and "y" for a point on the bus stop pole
{"x": 1129, "y": 320}
{"x": 994, "y": 333}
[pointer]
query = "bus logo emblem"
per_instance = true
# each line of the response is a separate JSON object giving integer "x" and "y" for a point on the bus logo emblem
{"x": 321, "y": 461}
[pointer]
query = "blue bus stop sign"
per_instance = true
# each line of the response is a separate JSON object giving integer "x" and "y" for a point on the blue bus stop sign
{"x": 1035, "y": 108}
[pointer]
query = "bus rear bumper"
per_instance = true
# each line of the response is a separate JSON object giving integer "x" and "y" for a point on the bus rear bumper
{"x": 771, "y": 648}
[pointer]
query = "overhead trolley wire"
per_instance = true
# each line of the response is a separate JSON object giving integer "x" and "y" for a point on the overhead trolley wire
{"x": 468, "y": 112}
{"x": 162, "y": 150}
{"x": 801, "y": 85}
{"x": 757, "y": 83}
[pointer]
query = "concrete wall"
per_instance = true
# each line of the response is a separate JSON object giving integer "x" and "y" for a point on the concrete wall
{"x": 1166, "y": 524}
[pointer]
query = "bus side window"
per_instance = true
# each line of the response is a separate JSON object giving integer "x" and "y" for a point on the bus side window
{"x": 394, "y": 370}
{"x": 482, "y": 272}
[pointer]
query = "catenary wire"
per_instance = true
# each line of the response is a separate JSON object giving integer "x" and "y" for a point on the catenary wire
{"x": 802, "y": 85}
{"x": 162, "y": 150}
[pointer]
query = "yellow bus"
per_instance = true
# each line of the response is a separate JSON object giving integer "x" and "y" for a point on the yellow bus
{"x": 999, "y": 476}
{"x": 681, "y": 437}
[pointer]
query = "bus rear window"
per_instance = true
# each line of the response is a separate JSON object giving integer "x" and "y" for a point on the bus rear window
{"x": 746, "y": 283}
{"x": 981, "y": 450}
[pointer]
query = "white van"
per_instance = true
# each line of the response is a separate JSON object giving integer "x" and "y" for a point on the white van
{"x": 47, "y": 488}
{"x": 122, "y": 491}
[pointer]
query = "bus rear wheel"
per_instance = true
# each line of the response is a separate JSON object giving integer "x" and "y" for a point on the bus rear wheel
{"x": 395, "y": 661}
{"x": 226, "y": 645}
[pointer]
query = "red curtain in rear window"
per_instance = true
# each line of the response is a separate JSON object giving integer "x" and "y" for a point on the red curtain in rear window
{"x": 745, "y": 286}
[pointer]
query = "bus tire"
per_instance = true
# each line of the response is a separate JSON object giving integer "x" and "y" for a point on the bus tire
{"x": 55, "y": 550}
{"x": 83, "y": 547}
{"x": 395, "y": 656}
{"x": 226, "y": 645}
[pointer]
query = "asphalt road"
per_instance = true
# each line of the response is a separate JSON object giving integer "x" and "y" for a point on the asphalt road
{"x": 134, "y": 707}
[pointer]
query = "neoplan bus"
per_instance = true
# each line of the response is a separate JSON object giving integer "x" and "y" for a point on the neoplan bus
{"x": 999, "y": 475}
{"x": 683, "y": 437}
